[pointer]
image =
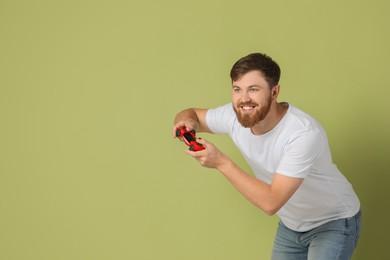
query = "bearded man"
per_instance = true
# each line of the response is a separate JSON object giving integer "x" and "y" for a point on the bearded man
{"x": 288, "y": 151}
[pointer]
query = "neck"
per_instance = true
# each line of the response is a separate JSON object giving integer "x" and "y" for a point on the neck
{"x": 275, "y": 114}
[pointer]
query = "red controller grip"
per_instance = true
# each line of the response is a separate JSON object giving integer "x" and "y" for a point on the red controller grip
{"x": 189, "y": 138}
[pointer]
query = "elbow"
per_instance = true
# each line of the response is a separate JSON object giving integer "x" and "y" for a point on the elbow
{"x": 270, "y": 210}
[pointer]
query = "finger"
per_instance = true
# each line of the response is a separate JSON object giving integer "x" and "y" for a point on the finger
{"x": 201, "y": 141}
{"x": 191, "y": 125}
{"x": 196, "y": 154}
{"x": 191, "y": 153}
{"x": 178, "y": 125}
{"x": 174, "y": 132}
{"x": 175, "y": 127}
{"x": 204, "y": 142}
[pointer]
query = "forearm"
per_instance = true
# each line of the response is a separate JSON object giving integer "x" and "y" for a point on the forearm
{"x": 268, "y": 197}
{"x": 187, "y": 114}
{"x": 254, "y": 190}
{"x": 192, "y": 119}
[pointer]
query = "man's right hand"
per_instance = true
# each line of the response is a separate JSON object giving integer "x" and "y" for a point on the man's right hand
{"x": 189, "y": 124}
{"x": 192, "y": 119}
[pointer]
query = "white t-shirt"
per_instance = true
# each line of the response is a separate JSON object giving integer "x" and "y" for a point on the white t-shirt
{"x": 297, "y": 147}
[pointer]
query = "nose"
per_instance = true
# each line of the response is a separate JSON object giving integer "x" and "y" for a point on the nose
{"x": 245, "y": 97}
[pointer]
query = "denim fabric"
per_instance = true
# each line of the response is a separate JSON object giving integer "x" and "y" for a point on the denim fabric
{"x": 335, "y": 240}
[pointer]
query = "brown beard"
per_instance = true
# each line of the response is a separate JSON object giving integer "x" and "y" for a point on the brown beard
{"x": 250, "y": 121}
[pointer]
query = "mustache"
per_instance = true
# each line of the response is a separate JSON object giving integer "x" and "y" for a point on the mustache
{"x": 247, "y": 104}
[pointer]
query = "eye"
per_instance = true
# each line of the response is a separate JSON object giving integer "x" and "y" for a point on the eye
{"x": 253, "y": 90}
{"x": 236, "y": 90}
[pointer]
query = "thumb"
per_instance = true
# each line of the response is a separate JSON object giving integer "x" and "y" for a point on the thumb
{"x": 202, "y": 141}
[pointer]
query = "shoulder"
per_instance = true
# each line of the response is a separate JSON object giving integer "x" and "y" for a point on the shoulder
{"x": 298, "y": 120}
{"x": 303, "y": 130}
{"x": 226, "y": 108}
{"x": 221, "y": 119}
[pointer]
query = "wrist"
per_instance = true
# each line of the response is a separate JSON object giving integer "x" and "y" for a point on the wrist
{"x": 224, "y": 164}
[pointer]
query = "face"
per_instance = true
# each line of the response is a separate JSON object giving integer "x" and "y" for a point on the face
{"x": 251, "y": 98}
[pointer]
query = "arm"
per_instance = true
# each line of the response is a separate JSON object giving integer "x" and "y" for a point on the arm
{"x": 192, "y": 119}
{"x": 269, "y": 198}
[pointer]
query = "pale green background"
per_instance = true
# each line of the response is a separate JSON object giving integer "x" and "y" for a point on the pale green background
{"x": 88, "y": 92}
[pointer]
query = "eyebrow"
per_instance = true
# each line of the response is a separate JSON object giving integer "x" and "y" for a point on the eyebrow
{"x": 251, "y": 86}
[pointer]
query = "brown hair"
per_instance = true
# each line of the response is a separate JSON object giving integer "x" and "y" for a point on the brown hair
{"x": 257, "y": 61}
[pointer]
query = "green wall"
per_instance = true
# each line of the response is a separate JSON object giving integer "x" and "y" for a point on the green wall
{"x": 88, "y": 92}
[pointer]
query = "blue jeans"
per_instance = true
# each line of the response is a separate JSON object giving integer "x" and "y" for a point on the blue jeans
{"x": 335, "y": 240}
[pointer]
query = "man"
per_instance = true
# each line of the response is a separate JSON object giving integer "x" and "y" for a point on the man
{"x": 289, "y": 154}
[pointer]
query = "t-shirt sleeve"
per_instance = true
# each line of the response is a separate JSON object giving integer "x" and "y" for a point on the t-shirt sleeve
{"x": 220, "y": 120}
{"x": 301, "y": 153}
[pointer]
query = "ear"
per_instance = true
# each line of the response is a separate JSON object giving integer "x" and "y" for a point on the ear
{"x": 275, "y": 91}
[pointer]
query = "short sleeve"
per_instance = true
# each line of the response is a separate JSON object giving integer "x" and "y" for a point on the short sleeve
{"x": 301, "y": 153}
{"x": 220, "y": 120}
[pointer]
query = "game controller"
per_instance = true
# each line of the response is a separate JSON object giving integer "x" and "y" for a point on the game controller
{"x": 189, "y": 138}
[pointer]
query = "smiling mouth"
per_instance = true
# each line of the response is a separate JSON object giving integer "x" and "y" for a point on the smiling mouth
{"x": 247, "y": 107}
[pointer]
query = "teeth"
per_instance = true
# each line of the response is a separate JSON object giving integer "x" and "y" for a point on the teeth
{"x": 247, "y": 108}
